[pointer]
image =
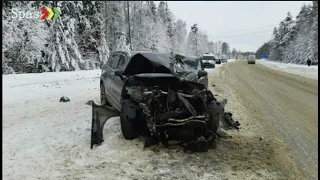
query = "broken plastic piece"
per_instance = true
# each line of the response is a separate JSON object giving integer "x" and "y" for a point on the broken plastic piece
{"x": 100, "y": 114}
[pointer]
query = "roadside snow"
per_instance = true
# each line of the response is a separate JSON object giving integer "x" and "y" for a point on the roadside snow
{"x": 211, "y": 71}
{"x": 46, "y": 139}
{"x": 302, "y": 70}
{"x": 231, "y": 60}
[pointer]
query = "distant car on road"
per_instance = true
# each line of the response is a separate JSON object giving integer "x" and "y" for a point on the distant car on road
{"x": 208, "y": 64}
{"x": 224, "y": 60}
{"x": 252, "y": 59}
{"x": 209, "y": 60}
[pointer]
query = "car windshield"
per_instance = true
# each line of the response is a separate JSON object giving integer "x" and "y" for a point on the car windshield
{"x": 187, "y": 67}
{"x": 208, "y": 61}
{"x": 187, "y": 63}
{"x": 208, "y": 58}
{"x": 196, "y": 64}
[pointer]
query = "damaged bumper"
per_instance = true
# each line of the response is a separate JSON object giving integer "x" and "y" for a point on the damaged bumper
{"x": 168, "y": 115}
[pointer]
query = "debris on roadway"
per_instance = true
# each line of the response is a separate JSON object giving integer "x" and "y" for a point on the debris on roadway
{"x": 64, "y": 99}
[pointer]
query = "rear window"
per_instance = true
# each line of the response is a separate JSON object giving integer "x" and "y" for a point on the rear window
{"x": 252, "y": 57}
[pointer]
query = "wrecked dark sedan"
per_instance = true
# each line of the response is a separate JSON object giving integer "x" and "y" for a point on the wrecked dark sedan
{"x": 163, "y": 96}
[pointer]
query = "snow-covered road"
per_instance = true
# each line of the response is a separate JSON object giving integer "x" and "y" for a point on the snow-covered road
{"x": 46, "y": 139}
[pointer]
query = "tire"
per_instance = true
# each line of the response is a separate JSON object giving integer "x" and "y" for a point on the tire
{"x": 103, "y": 97}
{"x": 128, "y": 126}
{"x": 215, "y": 113}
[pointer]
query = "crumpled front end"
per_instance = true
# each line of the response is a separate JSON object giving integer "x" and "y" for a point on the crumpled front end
{"x": 167, "y": 112}
{"x": 179, "y": 111}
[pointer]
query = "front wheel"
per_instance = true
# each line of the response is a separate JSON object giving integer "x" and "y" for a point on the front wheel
{"x": 128, "y": 125}
{"x": 215, "y": 112}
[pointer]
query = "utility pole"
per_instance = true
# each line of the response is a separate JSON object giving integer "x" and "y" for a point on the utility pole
{"x": 129, "y": 30}
{"x": 196, "y": 45}
{"x": 194, "y": 30}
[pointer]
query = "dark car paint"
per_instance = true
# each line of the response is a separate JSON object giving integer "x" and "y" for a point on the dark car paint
{"x": 113, "y": 84}
{"x": 149, "y": 62}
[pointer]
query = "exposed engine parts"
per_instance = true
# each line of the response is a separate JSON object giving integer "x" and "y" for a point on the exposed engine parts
{"x": 182, "y": 115}
{"x": 161, "y": 96}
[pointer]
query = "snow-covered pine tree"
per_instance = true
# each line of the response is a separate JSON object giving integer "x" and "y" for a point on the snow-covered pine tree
{"x": 296, "y": 41}
{"x": 86, "y": 32}
{"x": 180, "y": 35}
{"x": 234, "y": 53}
{"x": 23, "y": 41}
{"x": 225, "y": 48}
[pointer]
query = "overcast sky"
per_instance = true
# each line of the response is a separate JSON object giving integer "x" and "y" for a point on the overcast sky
{"x": 245, "y": 25}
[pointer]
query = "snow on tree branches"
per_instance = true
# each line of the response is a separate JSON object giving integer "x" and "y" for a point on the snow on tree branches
{"x": 88, "y": 32}
{"x": 295, "y": 40}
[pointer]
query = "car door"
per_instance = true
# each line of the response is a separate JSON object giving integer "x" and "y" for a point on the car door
{"x": 112, "y": 82}
{"x": 118, "y": 83}
{"x": 106, "y": 72}
{"x": 108, "y": 77}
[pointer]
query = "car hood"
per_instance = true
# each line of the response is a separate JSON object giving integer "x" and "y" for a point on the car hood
{"x": 180, "y": 66}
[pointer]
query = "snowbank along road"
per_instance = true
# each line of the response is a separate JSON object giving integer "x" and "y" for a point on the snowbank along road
{"x": 46, "y": 139}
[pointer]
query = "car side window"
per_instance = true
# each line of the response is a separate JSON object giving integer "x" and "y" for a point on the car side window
{"x": 114, "y": 62}
{"x": 109, "y": 62}
{"x": 122, "y": 62}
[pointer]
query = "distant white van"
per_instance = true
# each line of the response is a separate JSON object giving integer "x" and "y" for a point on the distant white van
{"x": 251, "y": 59}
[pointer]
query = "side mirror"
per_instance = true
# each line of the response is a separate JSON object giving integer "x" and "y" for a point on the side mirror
{"x": 202, "y": 73}
{"x": 118, "y": 72}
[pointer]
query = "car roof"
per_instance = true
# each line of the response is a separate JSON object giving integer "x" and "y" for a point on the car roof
{"x": 132, "y": 53}
{"x": 156, "y": 58}
{"x": 161, "y": 55}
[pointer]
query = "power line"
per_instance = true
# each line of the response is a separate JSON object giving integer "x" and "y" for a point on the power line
{"x": 259, "y": 27}
{"x": 247, "y": 33}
